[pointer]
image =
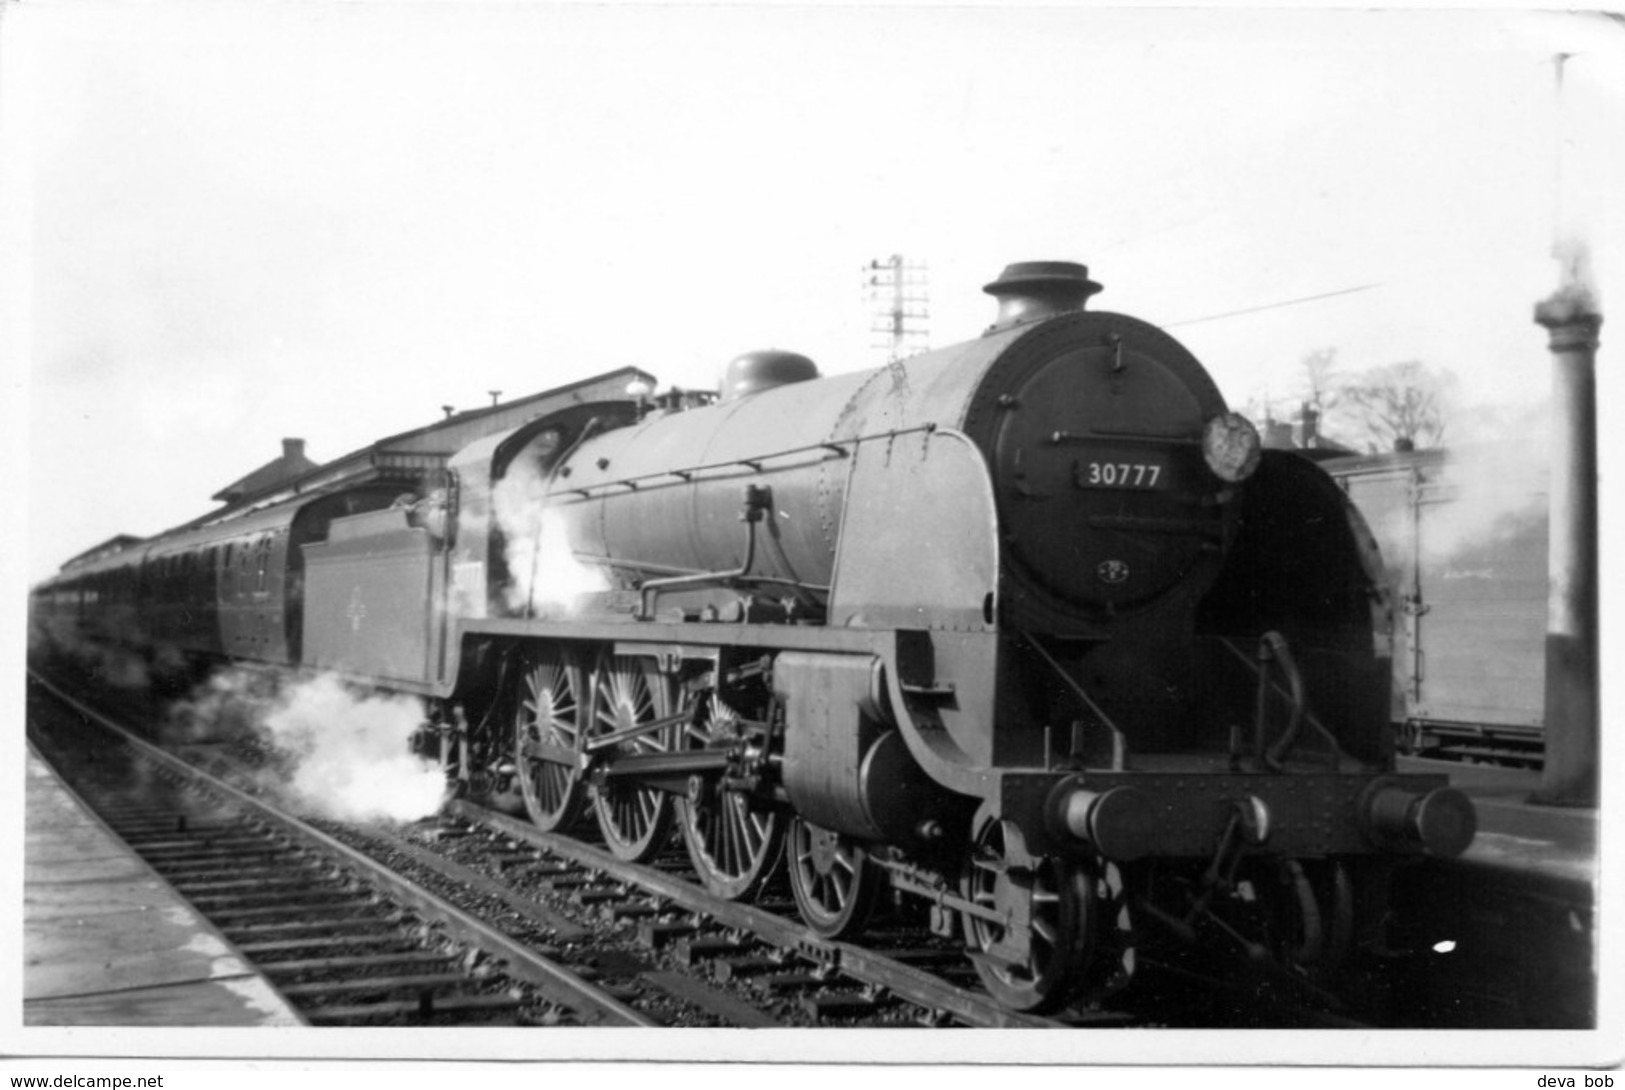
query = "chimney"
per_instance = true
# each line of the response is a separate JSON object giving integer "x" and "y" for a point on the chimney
{"x": 1309, "y": 427}
{"x": 1573, "y": 742}
{"x": 1277, "y": 434}
{"x": 1030, "y": 291}
{"x": 293, "y": 449}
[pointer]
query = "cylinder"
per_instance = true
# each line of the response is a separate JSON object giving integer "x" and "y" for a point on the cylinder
{"x": 1570, "y": 777}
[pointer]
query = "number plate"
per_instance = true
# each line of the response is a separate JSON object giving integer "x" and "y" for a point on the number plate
{"x": 1137, "y": 474}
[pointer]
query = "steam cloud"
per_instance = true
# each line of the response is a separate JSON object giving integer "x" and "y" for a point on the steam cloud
{"x": 352, "y": 754}
{"x": 1487, "y": 507}
{"x": 338, "y": 754}
{"x": 1492, "y": 485}
{"x": 107, "y": 662}
{"x": 542, "y": 567}
{"x": 1579, "y": 286}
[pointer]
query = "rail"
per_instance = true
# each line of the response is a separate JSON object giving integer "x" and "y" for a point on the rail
{"x": 867, "y": 966}
{"x": 521, "y": 963}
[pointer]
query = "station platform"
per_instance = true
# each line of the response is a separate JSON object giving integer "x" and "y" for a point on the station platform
{"x": 107, "y": 942}
{"x": 1550, "y": 843}
{"x": 1509, "y": 927}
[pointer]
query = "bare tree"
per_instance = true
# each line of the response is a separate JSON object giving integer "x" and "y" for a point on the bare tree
{"x": 1398, "y": 406}
{"x": 1395, "y": 406}
{"x": 1293, "y": 420}
{"x": 1322, "y": 389}
{"x": 1256, "y": 408}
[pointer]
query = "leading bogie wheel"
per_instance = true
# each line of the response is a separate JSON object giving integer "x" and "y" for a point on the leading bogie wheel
{"x": 736, "y": 845}
{"x": 832, "y": 880}
{"x": 627, "y": 691}
{"x": 1056, "y": 899}
{"x": 549, "y": 713}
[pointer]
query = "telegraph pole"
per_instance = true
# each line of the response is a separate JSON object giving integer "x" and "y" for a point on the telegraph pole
{"x": 899, "y": 299}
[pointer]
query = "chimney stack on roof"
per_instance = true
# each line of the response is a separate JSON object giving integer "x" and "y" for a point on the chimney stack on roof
{"x": 1278, "y": 434}
{"x": 291, "y": 464}
{"x": 1308, "y": 427}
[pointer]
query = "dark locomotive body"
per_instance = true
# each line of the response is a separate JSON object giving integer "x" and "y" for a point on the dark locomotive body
{"x": 1025, "y": 628}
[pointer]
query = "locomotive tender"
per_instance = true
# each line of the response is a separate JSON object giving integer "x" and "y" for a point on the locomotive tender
{"x": 1025, "y": 633}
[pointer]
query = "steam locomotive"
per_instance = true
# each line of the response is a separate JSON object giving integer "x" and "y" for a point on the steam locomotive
{"x": 1025, "y": 635}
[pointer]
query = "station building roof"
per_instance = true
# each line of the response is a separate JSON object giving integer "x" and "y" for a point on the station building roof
{"x": 410, "y": 456}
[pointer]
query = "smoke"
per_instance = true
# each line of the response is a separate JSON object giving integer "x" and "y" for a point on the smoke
{"x": 1488, "y": 495}
{"x": 113, "y": 665}
{"x": 1577, "y": 290}
{"x": 352, "y": 756}
{"x": 228, "y": 706}
{"x": 59, "y": 639}
{"x": 1481, "y": 496}
{"x": 542, "y": 568}
{"x": 331, "y": 752}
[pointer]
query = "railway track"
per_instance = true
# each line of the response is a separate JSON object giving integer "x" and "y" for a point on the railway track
{"x": 346, "y": 940}
{"x": 526, "y": 927}
{"x": 761, "y": 955}
{"x": 475, "y": 916}
{"x": 899, "y": 977}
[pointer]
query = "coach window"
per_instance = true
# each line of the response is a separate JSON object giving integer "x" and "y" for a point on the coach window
{"x": 261, "y": 556}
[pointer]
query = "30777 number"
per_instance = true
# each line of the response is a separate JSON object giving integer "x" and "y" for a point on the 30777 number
{"x": 1119, "y": 474}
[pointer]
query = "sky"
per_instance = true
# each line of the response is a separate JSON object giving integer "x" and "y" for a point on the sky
{"x": 230, "y": 223}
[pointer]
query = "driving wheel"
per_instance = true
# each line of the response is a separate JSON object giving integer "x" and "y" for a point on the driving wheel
{"x": 627, "y": 692}
{"x": 547, "y": 735}
{"x": 734, "y": 844}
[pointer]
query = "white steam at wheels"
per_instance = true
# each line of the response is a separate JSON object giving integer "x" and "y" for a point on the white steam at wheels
{"x": 330, "y": 751}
